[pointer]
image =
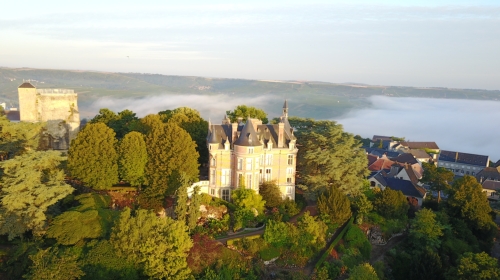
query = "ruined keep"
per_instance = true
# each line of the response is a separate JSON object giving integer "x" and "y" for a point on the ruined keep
{"x": 57, "y": 107}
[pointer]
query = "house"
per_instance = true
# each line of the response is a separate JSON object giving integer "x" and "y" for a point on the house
{"x": 414, "y": 193}
{"x": 247, "y": 154}
{"x": 427, "y": 146}
{"x": 491, "y": 188}
{"x": 402, "y": 171}
{"x": 488, "y": 173}
{"x": 411, "y": 161}
{"x": 380, "y": 152}
{"x": 463, "y": 163}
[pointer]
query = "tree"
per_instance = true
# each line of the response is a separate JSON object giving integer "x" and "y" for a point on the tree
{"x": 271, "y": 194}
{"x": 89, "y": 220}
{"x": 468, "y": 201}
{"x": 362, "y": 206}
{"x": 334, "y": 206}
{"x": 248, "y": 199}
{"x": 30, "y": 184}
{"x": 194, "y": 208}
{"x": 132, "y": 158}
{"x": 105, "y": 116}
{"x": 100, "y": 262}
{"x": 191, "y": 121}
{"x": 158, "y": 245}
{"x": 328, "y": 156}
{"x": 50, "y": 264}
{"x": 363, "y": 272}
{"x": 181, "y": 204}
{"x": 425, "y": 231}
{"x": 243, "y": 111}
{"x": 277, "y": 233}
{"x": 477, "y": 266}
{"x": 124, "y": 123}
{"x": 92, "y": 156}
{"x": 313, "y": 230}
{"x": 17, "y": 138}
{"x": 391, "y": 204}
{"x": 171, "y": 152}
{"x": 437, "y": 178}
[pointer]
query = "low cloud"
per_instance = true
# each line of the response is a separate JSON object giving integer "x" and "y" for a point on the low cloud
{"x": 467, "y": 126}
{"x": 210, "y": 106}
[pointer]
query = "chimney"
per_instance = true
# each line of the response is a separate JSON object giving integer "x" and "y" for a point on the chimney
{"x": 281, "y": 137}
{"x": 234, "y": 132}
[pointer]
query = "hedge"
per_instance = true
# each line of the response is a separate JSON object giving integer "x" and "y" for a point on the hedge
{"x": 334, "y": 243}
{"x": 250, "y": 237}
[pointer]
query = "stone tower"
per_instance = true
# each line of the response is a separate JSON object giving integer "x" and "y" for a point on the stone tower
{"x": 27, "y": 103}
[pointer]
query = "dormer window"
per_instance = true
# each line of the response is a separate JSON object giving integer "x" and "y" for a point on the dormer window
{"x": 250, "y": 150}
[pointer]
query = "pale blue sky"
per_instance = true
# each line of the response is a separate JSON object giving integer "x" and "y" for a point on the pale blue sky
{"x": 407, "y": 43}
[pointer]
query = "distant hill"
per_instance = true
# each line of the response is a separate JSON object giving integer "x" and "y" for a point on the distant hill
{"x": 318, "y": 100}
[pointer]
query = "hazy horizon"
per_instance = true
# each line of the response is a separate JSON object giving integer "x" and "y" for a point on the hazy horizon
{"x": 416, "y": 43}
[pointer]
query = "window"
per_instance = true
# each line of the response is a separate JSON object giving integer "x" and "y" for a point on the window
{"x": 249, "y": 163}
{"x": 290, "y": 159}
{"x": 268, "y": 174}
{"x": 212, "y": 176}
{"x": 467, "y": 172}
{"x": 289, "y": 175}
{"x": 240, "y": 180}
{"x": 289, "y": 190}
{"x": 212, "y": 192}
{"x": 261, "y": 177}
{"x": 473, "y": 173}
{"x": 240, "y": 163}
{"x": 249, "y": 181}
{"x": 372, "y": 183}
{"x": 250, "y": 150}
{"x": 269, "y": 159}
{"x": 225, "y": 195}
{"x": 212, "y": 162}
{"x": 225, "y": 178}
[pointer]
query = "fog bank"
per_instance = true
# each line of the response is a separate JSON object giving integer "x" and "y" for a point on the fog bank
{"x": 467, "y": 126}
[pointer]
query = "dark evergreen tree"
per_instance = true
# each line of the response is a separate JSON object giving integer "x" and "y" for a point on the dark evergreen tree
{"x": 271, "y": 194}
{"x": 334, "y": 206}
{"x": 437, "y": 177}
{"x": 391, "y": 204}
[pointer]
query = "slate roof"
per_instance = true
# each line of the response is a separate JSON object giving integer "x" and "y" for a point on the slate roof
{"x": 491, "y": 173}
{"x": 26, "y": 85}
{"x": 406, "y": 187}
{"x": 420, "y": 145}
{"x": 13, "y": 115}
{"x": 379, "y": 152}
{"x": 465, "y": 158}
{"x": 405, "y": 158}
{"x": 252, "y": 133}
{"x": 379, "y": 137}
{"x": 371, "y": 159}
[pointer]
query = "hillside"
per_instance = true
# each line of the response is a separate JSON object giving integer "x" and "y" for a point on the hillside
{"x": 308, "y": 99}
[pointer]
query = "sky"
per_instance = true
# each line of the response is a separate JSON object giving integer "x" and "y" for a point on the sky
{"x": 402, "y": 43}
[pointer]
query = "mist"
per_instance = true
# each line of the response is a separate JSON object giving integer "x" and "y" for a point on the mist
{"x": 211, "y": 107}
{"x": 467, "y": 126}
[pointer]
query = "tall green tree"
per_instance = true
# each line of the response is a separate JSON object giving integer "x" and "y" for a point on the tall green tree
{"x": 468, "y": 202}
{"x": 181, "y": 204}
{"x": 132, "y": 158}
{"x": 92, "y": 156}
{"x": 157, "y": 245}
{"x": 194, "y": 208}
{"x": 17, "y": 138}
{"x": 50, "y": 264}
{"x": 30, "y": 184}
{"x": 248, "y": 199}
{"x": 328, "y": 156}
{"x": 270, "y": 193}
{"x": 437, "y": 177}
{"x": 391, "y": 204}
{"x": 171, "y": 152}
{"x": 425, "y": 231}
{"x": 191, "y": 121}
{"x": 312, "y": 229}
{"x": 362, "y": 205}
{"x": 105, "y": 116}
{"x": 334, "y": 206}
{"x": 477, "y": 266}
{"x": 243, "y": 111}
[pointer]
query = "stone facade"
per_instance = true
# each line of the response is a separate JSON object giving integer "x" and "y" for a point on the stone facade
{"x": 57, "y": 107}
{"x": 251, "y": 153}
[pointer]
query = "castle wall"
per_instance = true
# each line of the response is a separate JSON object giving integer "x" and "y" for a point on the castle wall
{"x": 27, "y": 104}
